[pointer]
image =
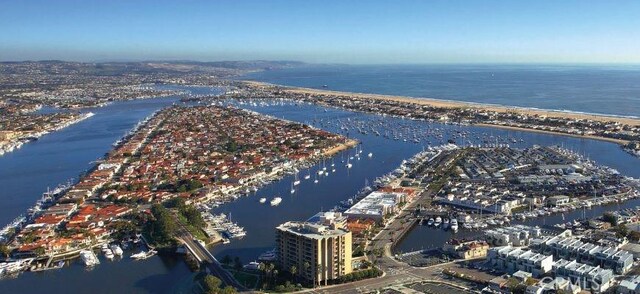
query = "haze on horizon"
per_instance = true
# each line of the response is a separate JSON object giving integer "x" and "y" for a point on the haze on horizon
{"x": 371, "y": 32}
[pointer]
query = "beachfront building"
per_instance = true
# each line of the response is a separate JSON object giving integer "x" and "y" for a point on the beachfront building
{"x": 377, "y": 205}
{"x": 319, "y": 251}
{"x": 517, "y": 235}
{"x": 512, "y": 259}
{"x": 572, "y": 248}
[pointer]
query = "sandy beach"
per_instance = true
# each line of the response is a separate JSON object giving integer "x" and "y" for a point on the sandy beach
{"x": 456, "y": 104}
{"x": 350, "y": 143}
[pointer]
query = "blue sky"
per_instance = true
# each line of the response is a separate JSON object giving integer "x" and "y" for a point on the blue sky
{"x": 427, "y": 31}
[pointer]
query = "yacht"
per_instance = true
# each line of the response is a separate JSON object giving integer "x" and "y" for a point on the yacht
{"x": 109, "y": 254}
{"x": 275, "y": 201}
{"x": 89, "y": 258}
{"x": 144, "y": 254}
{"x": 116, "y": 250}
{"x": 454, "y": 225}
{"x": 430, "y": 222}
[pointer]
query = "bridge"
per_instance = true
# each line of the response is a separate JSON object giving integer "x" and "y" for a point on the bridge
{"x": 205, "y": 258}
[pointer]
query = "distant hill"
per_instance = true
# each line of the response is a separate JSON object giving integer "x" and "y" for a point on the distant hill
{"x": 118, "y": 68}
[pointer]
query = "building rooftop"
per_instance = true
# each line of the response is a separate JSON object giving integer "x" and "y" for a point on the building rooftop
{"x": 311, "y": 230}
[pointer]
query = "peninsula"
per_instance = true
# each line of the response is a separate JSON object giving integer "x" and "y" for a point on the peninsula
{"x": 621, "y": 130}
{"x": 153, "y": 181}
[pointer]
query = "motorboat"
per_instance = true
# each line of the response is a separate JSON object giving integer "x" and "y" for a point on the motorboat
{"x": 275, "y": 201}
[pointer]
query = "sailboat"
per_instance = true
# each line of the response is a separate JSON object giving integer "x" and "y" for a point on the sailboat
{"x": 296, "y": 181}
{"x": 349, "y": 165}
{"x": 316, "y": 180}
{"x": 292, "y": 189}
{"x": 308, "y": 175}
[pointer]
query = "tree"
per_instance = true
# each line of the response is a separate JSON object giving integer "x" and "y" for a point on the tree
{"x": 211, "y": 284}
{"x": 226, "y": 260}
{"x": 163, "y": 227}
{"x": 634, "y": 236}
{"x": 610, "y": 218}
{"x": 274, "y": 275}
{"x": 237, "y": 263}
{"x": 621, "y": 231}
{"x": 294, "y": 271}
{"x": 5, "y": 250}
{"x": 228, "y": 290}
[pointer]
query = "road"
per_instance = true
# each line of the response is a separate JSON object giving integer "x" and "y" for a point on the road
{"x": 395, "y": 272}
{"x": 205, "y": 257}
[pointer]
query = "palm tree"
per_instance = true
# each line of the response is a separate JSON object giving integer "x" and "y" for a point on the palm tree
{"x": 274, "y": 276}
{"x": 324, "y": 270}
{"x": 318, "y": 271}
{"x": 294, "y": 272}
{"x": 306, "y": 267}
{"x": 262, "y": 268}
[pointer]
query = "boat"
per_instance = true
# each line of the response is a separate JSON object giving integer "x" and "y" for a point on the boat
{"x": 275, "y": 201}
{"x": 438, "y": 221}
{"x": 109, "y": 254}
{"x": 268, "y": 256}
{"x": 89, "y": 258}
{"x": 292, "y": 189}
{"x": 144, "y": 254}
{"x": 308, "y": 175}
{"x": 116, "y": 250}
{"x": 454, "y": 225}
{"x": 370, "y": 154}
{"x": 430, "y": 222}
{"x": 296, "y": 181}
{"x": 263, "y": 200}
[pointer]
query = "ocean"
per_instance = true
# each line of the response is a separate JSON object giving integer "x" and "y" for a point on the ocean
{"x": 612, "y": 90}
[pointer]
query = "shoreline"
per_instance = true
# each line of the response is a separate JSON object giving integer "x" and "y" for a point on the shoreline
{"x": 610, "y": 140}
{"x": 348, "y": 144}
{"x": 434, "y": 102}
{"x": 600, "y": 118}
